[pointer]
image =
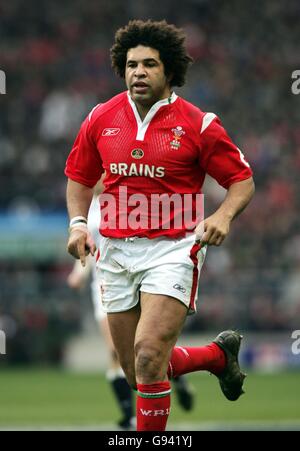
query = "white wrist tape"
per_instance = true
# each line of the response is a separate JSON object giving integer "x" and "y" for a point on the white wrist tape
{"x": 77, "y": 220}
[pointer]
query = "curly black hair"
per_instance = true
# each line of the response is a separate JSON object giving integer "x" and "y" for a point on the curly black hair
{"x": 161, "y": 36}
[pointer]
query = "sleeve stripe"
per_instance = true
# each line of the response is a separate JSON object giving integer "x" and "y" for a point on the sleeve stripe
{"x": 91, "y": 113}
{"x": 207, "y": 119}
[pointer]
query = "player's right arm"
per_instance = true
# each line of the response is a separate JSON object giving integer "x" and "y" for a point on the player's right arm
{"x": 80, "y": 242}
{"x": 83, "y": 169}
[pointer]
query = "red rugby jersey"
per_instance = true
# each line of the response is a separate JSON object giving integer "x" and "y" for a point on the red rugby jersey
{"x": 168, "y": 153}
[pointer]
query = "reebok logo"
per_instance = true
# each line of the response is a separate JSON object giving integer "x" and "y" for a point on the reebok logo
{"x": 110, "y": 131}
{"x": 179, "y": 288}
{"x": 155, "y": 413}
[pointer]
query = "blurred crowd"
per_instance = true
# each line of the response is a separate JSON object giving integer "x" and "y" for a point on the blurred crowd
{"x": 56, "y": 58}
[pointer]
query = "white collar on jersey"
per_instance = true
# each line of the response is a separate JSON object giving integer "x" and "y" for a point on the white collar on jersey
{"x": 143, "y": 125}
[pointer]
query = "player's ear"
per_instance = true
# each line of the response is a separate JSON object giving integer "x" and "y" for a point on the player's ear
{"x": 169, "y": 79}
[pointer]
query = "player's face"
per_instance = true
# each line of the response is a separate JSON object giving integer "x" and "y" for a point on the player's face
{"x": 145, "y": 76}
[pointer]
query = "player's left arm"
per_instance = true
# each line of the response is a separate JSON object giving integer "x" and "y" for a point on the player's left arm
{"x": 225, "y": 162}
{"x": 216, "y": 227}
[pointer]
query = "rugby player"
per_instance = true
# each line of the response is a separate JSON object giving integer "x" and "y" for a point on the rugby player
{"x": 152, "y": 142}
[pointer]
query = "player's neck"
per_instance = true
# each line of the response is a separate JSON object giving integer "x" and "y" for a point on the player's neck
{"x": 143, "y": 108}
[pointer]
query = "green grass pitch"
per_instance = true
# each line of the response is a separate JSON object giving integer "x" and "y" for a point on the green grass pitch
{"x": 45, "y": 398}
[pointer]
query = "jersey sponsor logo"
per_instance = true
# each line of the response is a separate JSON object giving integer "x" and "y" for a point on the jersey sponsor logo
{"x": 110, "y": 131}
{"x": 137, "y": 153}
{"x": 137, "y": 170}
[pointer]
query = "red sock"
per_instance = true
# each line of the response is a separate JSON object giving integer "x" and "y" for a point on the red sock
{"x": 153, "y": 406}
{"x": 186, "y": 360}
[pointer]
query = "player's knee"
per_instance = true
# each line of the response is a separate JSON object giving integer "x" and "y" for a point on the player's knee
{"x": 148, "y": 362}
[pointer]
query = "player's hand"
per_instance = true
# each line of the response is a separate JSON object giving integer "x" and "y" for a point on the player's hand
{"x": 213, "y": 230}
{"x": 81, "y": 244}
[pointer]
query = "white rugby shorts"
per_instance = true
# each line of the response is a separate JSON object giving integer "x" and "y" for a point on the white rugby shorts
{"x": 99, "y": 313}
{"x": 162, "y": 265}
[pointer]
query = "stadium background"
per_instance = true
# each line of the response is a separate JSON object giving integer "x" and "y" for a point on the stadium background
{"x": 56, "y": 59}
